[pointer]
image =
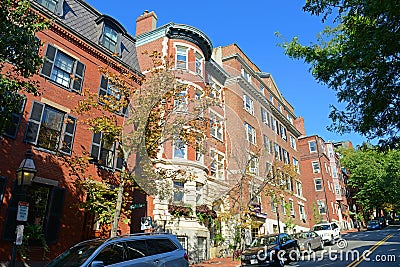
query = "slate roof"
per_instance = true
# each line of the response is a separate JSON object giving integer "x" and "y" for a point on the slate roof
{"x": 82, "y": 20}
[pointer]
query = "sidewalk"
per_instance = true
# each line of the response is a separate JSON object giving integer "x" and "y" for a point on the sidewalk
{"x": 224, "y": 262}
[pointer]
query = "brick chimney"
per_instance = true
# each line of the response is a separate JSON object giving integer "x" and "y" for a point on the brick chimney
{"x": 299, "y": 124}
{"x": 146, "y": 22}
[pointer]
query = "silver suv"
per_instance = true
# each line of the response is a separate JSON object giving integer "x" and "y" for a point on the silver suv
{"x": 329, "y": 231}
{"x": 129, "y": 250}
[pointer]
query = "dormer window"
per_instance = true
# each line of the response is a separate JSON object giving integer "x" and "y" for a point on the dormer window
{"x": 55, "y": 6}
{"x": 109, "y": 38}
{"x": 111, "y": 34}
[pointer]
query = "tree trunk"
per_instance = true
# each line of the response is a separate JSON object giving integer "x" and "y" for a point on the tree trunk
{"x": 118, "y": 208}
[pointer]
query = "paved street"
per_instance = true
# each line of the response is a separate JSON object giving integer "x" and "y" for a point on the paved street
{"x": 380, "y": 247}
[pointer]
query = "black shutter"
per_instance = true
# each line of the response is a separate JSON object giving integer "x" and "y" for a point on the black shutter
{"x": 11, "y": 219}
{"x": 47, "y": 67}
{"x": 103, "y": 87}
{"x": 2, "y": 188}
{"x": 78, "y": 77}
{"x": 69, "y": 132}
{"x": 120, "y": 158}
{"x": 12, "y": 128}
{"x": 55, "y": 208}
{"x": 96, "y": 145}
{"x": 33, "y": 126}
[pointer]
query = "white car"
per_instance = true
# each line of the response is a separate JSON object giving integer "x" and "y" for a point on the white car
{"x": 329, "y": 231}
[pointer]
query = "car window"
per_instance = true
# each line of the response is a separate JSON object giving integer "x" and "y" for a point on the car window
{"x": 136, "y": 249}
{"x": 321, "y": 227}
{"x": 111, "y": 254}
{"x": 76, "y": 255}
{"x": 334, "y": 226}
{"x": 264, "y": 240}
{"x": 284, "y": 238}
{"x": 160, "y": 245}
{"x": 313, "y": 234}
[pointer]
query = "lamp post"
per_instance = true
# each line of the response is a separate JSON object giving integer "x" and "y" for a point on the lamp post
{"x": 25, "y": 174}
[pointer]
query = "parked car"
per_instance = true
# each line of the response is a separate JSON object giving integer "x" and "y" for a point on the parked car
{"x": 270, "y": 250}
{"x": 373, "y": 225}
{"x": 129, "y": 250}
{"x": 309, "y": 241}
{"x": 382, "y": 221}
{"x": 329, "y": 231}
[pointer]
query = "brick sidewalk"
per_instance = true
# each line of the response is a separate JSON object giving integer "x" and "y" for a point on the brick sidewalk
{"x": 224, "y": 262}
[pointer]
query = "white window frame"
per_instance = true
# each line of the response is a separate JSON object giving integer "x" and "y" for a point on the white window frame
{"x": 250, "y": 133}
{"x": 182, "y": 149}
{"x": 248, "y": 104}
{"x": 299, "y": 188}
{"x": 293, "y": 142}
{"x": 199, "y": 64}
{"x": 312, "y": 146}
{"x": 296, "y": 165}
{"x": 218, "y": 159}
{"x": 246, "y": 75}
{"x": 321, "y": 204}
{"x": 315, "y": 167}
{"x": 319, "y": 184}
{"x": 181, "y": 51}
{"x": 216, "y": 125}
{"x": 180, "y": 190}
{"x": 253, "y": 164}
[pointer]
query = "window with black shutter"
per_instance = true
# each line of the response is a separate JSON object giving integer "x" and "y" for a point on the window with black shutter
{"x": 50, "y": 129}
{"x": 63, "y": 69}
{"x": 106, "y": 154}
{"x": 109, "y": 91}
{"x": 11, "y": 124}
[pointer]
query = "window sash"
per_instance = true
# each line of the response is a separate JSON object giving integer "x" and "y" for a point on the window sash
{"x": 318, "y": 184}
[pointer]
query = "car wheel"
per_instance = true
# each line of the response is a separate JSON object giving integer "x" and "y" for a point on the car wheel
{"x": 279, "y": 262}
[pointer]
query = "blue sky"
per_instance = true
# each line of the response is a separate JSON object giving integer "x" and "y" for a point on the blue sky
{"x": 251, "y": 25}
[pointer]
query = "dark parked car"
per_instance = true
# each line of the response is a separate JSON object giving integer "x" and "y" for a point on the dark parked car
{"x": 130, "y": 250}
{"x": 309, "y": 241}
{"x": 373, "y": 225}
{"x": 382, "y": 221}
{"x": 270, "y": 250}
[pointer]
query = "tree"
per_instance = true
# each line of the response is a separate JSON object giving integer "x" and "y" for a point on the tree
{"x": 19, "y": 58}
{"x": 359, "y": 58}
{"x": 162, "y": 110}
{"x": 375, "y": 176}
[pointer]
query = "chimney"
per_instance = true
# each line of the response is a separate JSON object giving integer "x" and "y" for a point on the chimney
{"x": 299, "y": 124}
{"x": 146, "y": 22}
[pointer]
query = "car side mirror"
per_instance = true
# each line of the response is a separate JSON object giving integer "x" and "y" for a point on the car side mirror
{"x": 97, "y": 264}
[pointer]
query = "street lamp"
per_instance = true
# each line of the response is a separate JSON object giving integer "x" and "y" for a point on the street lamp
{"x": 25, "y": 174}
{"x": 27, "y": 170}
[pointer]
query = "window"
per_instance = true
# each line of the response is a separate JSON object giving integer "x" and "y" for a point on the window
{"x": 250, "y": 133}
{"x": 315, "y": 166}
{"x": 275, "y": 126}
{"x": 293, "y": 142}
{"x": 268, "y": 169}
{"x": 248, "y": 104}
{"x": 334, "y": 172}
{"x": 291, "y": 206}
{"x": 199, "y": 194}
{"x": 313, "y": 146}
{"x": 283, "y": 205}
{"x": 217, "y": 164}
{"x": 286, "y": 157}
{"x": 318, "y": 184}
{"x": 180, "y": 101}
{"x": 267, "y": 144}
{"x": 246, "y": 75}
{"x": 337, "y": 189}
{"x": 63, "y": 69}
{"x": 289, "y": 183}
{"x": 321, "y": 206}
{"x": 262, "y": 89}
{"x": 216, "y": 123}
{"x": 277, "y": 150}
{"x": 253, "y": 164}
{"x": 283, "y": 132}
{"x": 45, "y": 210}
{"x": 50, "y": 128}
{"x": 296, "y": 165}
{"x": 178, "y": 191}
{"x": 10, "y": 125}
{"x": 290, "y": 119}
{"x": 265, "y": 117}
{"x": 271, "y": 99}
{"x": 108, "y": 91}
{"x": 111, "y": 254}
{"x": 179, "y": 149}
{"x": 301, "y": 211}
{"x": 110, "y": 39}
{"x": 199, "y": 64}
{"x": 55, "y": 6}
{"x": 273, "y": 205}
{"x": 136, "y": 249}
{"x": 181, "y": 57}
{"x": 280, "y": 108}
{"x": 255, "y": 197}
{"x": 299, "y": 188}
{"x": 104, "y": 153}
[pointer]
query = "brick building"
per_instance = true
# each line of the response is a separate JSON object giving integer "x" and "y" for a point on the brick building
{"x": 262, "y": 154}
{"x": 79, "y": 40}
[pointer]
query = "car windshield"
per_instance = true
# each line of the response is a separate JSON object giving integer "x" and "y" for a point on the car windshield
{"x": 76, "y": 255}
{"x": 373, "y": 222}
{"x": 264, "y": 241}
{"x": 300, "y": 236}
{"x": 321, "y": 227}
